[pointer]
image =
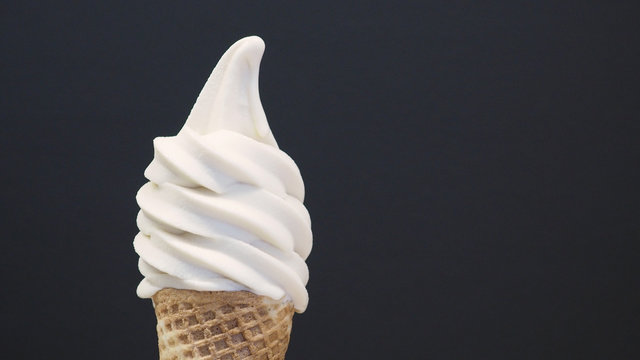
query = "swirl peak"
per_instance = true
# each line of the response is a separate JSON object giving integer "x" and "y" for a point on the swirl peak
{"x": 230, "y": 99}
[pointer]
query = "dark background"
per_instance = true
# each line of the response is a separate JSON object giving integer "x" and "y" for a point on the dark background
{"x": 471, "y": 170}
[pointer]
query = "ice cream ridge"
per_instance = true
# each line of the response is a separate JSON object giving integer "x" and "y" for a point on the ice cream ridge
{"x": 223, "y": 232}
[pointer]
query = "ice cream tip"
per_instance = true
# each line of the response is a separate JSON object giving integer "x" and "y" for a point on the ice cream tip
{"x": 230, "y": 98}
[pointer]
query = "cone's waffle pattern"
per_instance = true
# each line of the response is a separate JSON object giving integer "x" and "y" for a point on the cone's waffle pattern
{"x": 221, "y": 325}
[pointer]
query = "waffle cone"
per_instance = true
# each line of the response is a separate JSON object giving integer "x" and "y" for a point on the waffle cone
{"x": 226, "y": 325}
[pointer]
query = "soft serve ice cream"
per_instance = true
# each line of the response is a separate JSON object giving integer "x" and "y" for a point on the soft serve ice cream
{"x": 223, "y": 206}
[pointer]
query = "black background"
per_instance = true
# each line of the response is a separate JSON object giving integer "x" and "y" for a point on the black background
{"x": 471, "y": 170}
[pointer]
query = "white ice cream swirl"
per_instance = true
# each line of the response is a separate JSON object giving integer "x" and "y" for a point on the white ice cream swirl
{"x": 223, "y": 206}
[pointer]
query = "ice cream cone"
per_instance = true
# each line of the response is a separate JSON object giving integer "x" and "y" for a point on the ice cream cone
{"x": 226, "y": 325}
{"x": 222, "y": 218}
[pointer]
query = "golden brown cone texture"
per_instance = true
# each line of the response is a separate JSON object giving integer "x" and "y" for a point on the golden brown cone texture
{"x": 226, "y": 325}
